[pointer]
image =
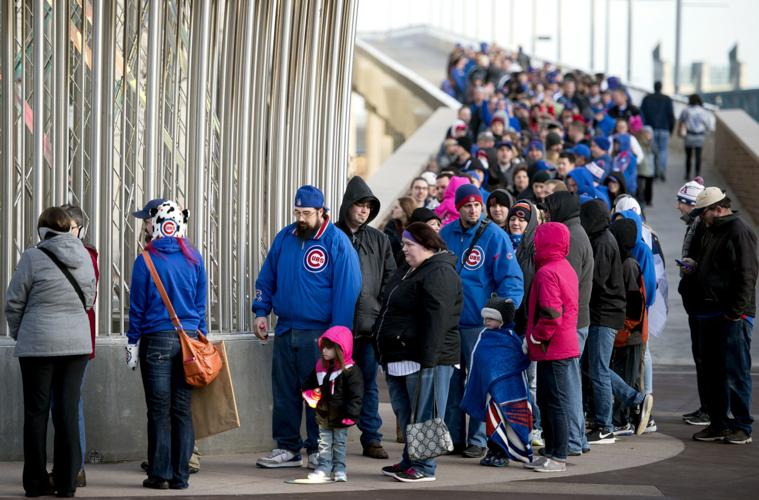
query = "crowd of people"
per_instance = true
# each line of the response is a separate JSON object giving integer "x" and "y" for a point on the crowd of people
{"x": 513, "y": 293}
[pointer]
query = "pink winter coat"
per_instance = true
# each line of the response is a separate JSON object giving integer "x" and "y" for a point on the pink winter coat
{"x": 447, "y": 209}
{"x": 554, "y": 296}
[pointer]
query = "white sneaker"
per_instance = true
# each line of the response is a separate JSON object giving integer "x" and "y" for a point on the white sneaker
{"x": 313, "y": 460}
{"x": 341, "y": 477}
{"x": 537, "y": 438}
{"x": 318, "y": 476}
{"x": 536, "y": 462}
{"x": 279, "y": 458}
{"x": 552, "y": 466}
{"x": 645, "y": 413}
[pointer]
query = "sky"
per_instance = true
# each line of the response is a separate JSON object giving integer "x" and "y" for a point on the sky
{"x": 710, "y": 28}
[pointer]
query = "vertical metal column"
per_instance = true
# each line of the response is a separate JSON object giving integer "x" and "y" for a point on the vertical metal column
{"x": 39, "y": 107}
{"x": 96, "y": 154}
{"x": 629, "y": 40}
{"x": 558, "y": 31}
{"x": 678, "y": 35}
{"x": 607, "y": 29}
{"x": 61, "y": 102}
{"x": 7, "y": 133}
{"x": 592, "y": 35}
{"x": 152, "y": 116}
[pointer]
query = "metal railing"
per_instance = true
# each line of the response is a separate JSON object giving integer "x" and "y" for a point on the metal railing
{"x": 225, "y": 106}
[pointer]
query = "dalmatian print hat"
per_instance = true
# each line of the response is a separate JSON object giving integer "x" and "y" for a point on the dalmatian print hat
{"x": 169, "y": 221}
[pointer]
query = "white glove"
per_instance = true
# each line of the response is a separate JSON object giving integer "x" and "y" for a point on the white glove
{"x": 132, "y": 355}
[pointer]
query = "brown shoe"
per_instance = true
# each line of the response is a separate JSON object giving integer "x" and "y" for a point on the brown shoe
{"x": 375, "y": 450}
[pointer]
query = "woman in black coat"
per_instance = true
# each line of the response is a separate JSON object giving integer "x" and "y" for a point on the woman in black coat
{"x": 418, "y": 338}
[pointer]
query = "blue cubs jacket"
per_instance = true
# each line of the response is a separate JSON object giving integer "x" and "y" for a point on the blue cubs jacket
{"x": 492, "y": 267}
{"x": 310, "y": 284}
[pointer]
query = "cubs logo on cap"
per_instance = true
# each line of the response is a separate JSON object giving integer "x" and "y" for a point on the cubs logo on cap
{"x": 316, "y": 259}
{"x": 475, "y": 258}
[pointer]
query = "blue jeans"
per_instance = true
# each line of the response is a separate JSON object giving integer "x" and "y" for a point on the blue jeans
{"x": 552, "y": 399}
{"x": 455, "y": 418}
{"x": 168, "y": 398}
{"x": 532, "y": 381}
{"x": 660, "y": 147}
{"x": 402, "y": 393}
{"x": 575, "y": 413}
{"x": 332, "y": 446}
{"x": 600, "y": 346}
{"x": 294, "y": 358}
{"x": 369, "y": 421}
{"x": 648, "y": 369}
{"x": 726, "y": 350}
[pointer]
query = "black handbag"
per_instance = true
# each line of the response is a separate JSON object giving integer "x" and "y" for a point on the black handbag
{"x": 428, "y": 439}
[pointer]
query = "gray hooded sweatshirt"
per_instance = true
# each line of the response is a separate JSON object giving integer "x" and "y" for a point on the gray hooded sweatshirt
{"x": 44, "y": 313}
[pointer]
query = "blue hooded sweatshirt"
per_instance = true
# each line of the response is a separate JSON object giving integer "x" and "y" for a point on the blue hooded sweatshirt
{"x": 645, "y": 258}
{"x": 310, "y": 284}
{"x": 185, "y": 283}
{"x": 492, "y": 267}
{"x": 626, "y": 162}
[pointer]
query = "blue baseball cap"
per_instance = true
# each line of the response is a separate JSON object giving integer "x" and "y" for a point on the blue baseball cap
{"x": 309, "y": 197}
{"x": 145, "y": 212}
{"x": 581, "y": 150}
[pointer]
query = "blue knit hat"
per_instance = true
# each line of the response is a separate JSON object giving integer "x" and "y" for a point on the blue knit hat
{"x": 467, "y": 193}
{"x": 602, "y": 142}
{"x": 581, "y": 150}
{"x": 309, "y": 197}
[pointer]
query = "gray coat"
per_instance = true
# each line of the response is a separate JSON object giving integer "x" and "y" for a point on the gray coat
{"x": 44, "y": 313}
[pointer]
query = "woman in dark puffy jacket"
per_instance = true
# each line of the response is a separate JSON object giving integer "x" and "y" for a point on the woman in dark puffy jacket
{"x": 418, "y": 338}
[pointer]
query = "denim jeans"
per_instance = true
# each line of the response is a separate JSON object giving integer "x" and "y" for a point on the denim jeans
{"x": 369, "y": 421}
{"x": 455, "y": 418}
{"x": 660, "y": 147}
{"x": 552, "y": 399}
{"x": 575, "y": 413}
{"x": 625, "y": 363}
{"x": 168, "y": 398}
{"x": 332, "y": 446}
{"x": 600, "y": 344}
{"x": 532, "y": 381}
{"x": 402, "y": 393}
{"x": 294, "y": 358}
{"x": 648, "y": 369}
{"x": 726, "y": 350}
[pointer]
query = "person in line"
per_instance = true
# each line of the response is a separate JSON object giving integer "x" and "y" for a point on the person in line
{"x": 46, "y": 310}
{"x": 311, "y": 279}
{"x": 498, "y": 204}
{"x": 487, "y": 265}
{"x": 358, "y": 209}
{"x": 334, "y": 389}
{"x": 427, "y": 216}
{"x": 399, "y": 217}
{"x": 417, "y": 338}
{"x": 658, "y": 113}
{"x": 419, "y": 191}
{"x": 725, "y": 264}
{"x": 552, "y": 339}
{"x": 155, "y": 344}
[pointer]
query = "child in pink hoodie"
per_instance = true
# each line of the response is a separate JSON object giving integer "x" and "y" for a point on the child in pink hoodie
{"x": 447, "y": 210}
{"x": 552, "y": 338}
{"x": 335, "y": 388}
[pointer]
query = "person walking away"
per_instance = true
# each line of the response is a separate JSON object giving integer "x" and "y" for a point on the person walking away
{"x": 46, "y": 307}
{"x": 552, "y": 339}
{"x": 334, "y": 389}
{"x": 658, "y": 113}
{"x": 646, "y": 167}
{"x": 725, "y": 266}
{"x": 311, "y": 279}
{"x": 358, "y": 209}
{"x": 696, "y": 122}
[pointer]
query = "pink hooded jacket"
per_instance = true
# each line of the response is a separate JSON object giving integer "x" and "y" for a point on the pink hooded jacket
{"x": 343, "y": 337}
{"x": 554, "y": 297}
{"x": 447, "y": 209}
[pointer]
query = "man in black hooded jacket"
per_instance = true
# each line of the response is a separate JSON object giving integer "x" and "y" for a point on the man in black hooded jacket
{"x": 358, "y": 209}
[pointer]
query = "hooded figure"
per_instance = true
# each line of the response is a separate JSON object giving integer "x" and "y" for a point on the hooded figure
{"x": 645, "y": 258}
{"x": 447, "y": 210}
{"x": 374, "y": 254}
{"x": 584, "y": 180}
{"x": 626, "y": 162}
{"x": 339, "y": 382}
{"x": 626, "y": 233}
{"x": 525, "y": 250}
{"x": 618, "y": 178}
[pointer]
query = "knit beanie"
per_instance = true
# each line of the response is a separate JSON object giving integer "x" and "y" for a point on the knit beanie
{"x": 467, "y": 193}
{"x": 521, "y": 209}
{"x": 602, "y": 142}
{"x": 689, "y": 192}
{"x": 499, "y": 309}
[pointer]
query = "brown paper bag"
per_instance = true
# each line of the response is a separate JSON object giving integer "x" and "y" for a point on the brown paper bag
{"x": 214, "y": 408}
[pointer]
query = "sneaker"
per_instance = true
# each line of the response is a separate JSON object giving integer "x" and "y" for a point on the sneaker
{"x": 651, "y": 427}
{"x": 375, "y": 450}
{"x": 341, "y": 477}
{"x": 318, "y": 476}
{"x": 144, "y": 466}
{"x": 313, "y": 460}
{"x": 81, "y": 479}
{"x": 494, "y": 460}
{"x": 392, "y": 470}
{"x": 598, "y": 436}
{"x": 537, "y": 438}
{"x": 279, "y": 458}
{"x": 692, "y": 414}
{"x": 412, "y": 475}
{"x": 551, "y": 465}
{"x": 536, "y": 462}
{"x": 738, "y": 437}
{"x": 645, "y": 413}
{"x": 625, "y": 430}
{"x": 473, "y": 451}
{"x": 701, "y": 418}
{"x": 155, "y": 484}
{"x": 711, "y": 434}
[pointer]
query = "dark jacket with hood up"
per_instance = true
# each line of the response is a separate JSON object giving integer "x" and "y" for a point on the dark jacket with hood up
{"x": 419, "y": 320}
{"x": 526, "y": 258}
{"x": 564, "y": 207}
{"x": 374, "y": 254}
{"x": 607, "y": 301}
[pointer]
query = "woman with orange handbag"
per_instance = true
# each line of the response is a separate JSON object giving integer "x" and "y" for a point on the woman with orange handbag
{"x": 155, "y": 341}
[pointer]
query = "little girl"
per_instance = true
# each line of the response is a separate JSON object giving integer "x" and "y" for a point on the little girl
{"x": 335, "y": 389}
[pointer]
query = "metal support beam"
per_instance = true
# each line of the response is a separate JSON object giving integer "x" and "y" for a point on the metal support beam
{"x": 61, "y": 102}
{"x": 152, "y": 117}
{"x": 39, "y": 107}
{"x": 678, "y": 36}
{"x": 629, "y": 39}
{"x": 7, "y": 134}
{"x": 592, "y": 35}
{"x": 96, "y": 156}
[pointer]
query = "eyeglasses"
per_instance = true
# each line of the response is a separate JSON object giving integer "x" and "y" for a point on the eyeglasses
{"x": 303, "y": 214}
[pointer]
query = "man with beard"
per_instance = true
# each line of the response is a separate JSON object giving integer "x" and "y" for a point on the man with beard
{"x": 358, "y": 209}
{"x": 311, "y": 279}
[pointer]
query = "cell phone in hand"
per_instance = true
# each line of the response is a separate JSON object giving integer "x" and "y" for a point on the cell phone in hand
{"x": 681, "y": 263}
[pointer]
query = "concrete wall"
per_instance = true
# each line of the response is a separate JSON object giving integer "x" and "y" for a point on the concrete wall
{"x": 736, "y": 155}
{"x": 114, "y": 402}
